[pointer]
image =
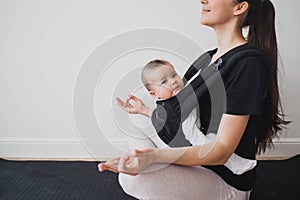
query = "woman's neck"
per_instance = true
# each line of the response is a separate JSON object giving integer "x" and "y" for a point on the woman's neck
{"x": 228, "y": 38}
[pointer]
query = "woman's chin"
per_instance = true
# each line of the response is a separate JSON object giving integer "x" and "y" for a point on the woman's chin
{"x": 203, "y": 22}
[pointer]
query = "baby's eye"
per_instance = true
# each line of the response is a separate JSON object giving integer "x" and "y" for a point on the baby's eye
{"x": 164, "y": 82}
{"x": 174, "y": 75}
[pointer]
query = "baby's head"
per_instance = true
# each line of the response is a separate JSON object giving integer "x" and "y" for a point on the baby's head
{"x": 161, "y": 79}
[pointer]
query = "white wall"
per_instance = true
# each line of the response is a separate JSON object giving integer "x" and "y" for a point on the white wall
{"x": 44, "y": 45}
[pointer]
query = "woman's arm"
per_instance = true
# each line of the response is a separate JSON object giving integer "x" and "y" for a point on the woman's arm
{"x": 229, "y": 135}
{"x": 230, "y": 132}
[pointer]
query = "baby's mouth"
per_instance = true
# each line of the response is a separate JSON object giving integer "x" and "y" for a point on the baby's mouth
{"x": 176, "y": 90}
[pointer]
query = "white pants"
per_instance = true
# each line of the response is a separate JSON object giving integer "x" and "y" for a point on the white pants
{"x": 174, "y": 182}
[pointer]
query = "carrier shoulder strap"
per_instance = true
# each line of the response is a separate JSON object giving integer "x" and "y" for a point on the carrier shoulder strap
{"x": 198, "y": 65}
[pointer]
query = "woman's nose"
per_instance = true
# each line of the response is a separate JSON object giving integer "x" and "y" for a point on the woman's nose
{"x": 203, "y": 1}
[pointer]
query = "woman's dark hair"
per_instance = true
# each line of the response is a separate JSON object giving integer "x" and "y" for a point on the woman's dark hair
{"x": 261, "y": 21}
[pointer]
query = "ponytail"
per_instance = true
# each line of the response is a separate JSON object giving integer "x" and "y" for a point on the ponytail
{"x": 261, "y": 21}
{"x": 262, "y": 30}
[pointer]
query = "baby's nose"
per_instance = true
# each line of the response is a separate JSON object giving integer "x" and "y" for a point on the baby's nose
{"x": 174, "y": 81}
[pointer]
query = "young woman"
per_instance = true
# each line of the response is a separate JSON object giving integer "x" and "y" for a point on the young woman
{"x": 252, "y": 115}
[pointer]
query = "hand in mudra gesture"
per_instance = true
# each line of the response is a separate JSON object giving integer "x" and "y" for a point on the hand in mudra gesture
{"x": 137, "y": 107}
{"x": 132, "y": 162}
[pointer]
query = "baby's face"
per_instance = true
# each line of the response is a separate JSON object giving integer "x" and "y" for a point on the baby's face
{"x": 165, "y": 82}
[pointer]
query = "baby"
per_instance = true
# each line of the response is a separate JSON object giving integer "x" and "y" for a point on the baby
{"x": 163, "y": 82}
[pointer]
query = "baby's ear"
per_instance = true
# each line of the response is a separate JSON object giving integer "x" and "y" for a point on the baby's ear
{"x": 152, "y": 93}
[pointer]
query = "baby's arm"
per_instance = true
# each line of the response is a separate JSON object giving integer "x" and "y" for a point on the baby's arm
{"x": 137, "y": 108}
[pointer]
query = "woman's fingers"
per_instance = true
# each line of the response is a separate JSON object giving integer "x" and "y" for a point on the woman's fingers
{"x": 134, "y": 161}
{"x": 134, "y": 98}
{"x": 121, "y": 103}
{"x": 135, "y": 108}
{"x": 110, "y": 165}
{"x": 131, "y": 163}
{"x": 124, "y": 105}
{"x": 122, "y": 164}
{"x": 126, "y": 166}
{"x": 103, "y": 167}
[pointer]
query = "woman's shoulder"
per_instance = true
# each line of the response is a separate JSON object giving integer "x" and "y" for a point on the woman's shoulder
{"x": 242, "y": 47}
{"x": 243, "y": 51}
{"x": 243, "y": 55}
{"x": 239, "y": 53}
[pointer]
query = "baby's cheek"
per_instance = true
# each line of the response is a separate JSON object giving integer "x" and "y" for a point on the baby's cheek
{"x": 166, "y": 93}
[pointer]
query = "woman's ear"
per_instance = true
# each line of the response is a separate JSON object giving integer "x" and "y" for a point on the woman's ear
{"x": 241, "y": 8}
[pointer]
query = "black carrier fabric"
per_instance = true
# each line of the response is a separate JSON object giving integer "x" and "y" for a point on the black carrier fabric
{"x": 213, "y": 92}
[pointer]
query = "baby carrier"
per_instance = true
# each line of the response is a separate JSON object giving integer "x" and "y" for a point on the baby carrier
{"x": 170, "y": 113}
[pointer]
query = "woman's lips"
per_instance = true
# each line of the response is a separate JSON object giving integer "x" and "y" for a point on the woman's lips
{"x": 205, "y": 10}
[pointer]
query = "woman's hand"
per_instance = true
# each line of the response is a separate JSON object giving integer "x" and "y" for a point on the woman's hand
{"x": 110, "y": 165}
{"x": 137, "y": 108}
{"x": 132, "y": 163}
{"x": 136, "y": 161}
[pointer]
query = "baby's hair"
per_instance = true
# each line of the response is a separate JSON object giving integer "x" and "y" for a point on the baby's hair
{"x": 153, "y": 64}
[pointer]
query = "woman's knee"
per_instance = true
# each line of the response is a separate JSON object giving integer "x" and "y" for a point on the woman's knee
{"x": 128, "y": 184}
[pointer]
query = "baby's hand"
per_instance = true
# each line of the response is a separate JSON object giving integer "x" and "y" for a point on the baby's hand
{"x": 137, "y": 108}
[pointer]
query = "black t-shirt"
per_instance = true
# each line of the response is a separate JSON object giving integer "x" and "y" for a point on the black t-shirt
{"x": 241, "y": 91}
{"x": 246, "y": 89}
